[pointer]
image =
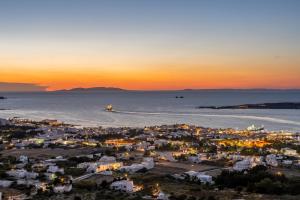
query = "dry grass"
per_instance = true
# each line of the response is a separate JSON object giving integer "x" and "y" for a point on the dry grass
{"x": 46, "y": 153}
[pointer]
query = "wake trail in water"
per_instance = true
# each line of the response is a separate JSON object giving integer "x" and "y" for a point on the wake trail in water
{"x": 268, "y": 119}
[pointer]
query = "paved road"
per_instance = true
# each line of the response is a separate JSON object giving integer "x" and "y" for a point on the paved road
{"x": 83, "y": 177}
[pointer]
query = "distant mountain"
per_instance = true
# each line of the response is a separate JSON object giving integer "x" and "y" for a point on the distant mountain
{"x": 280, "y": 105}
{"x": 91, "y": 89}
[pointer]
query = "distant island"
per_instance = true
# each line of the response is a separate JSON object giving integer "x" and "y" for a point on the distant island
{"x": 281, "y": 105}
{"x": 91, "y": 89}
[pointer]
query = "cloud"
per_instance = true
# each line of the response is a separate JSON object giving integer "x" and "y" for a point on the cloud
{"x": 21, "y": 87}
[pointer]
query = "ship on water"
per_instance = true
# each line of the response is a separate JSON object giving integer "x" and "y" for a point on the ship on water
{"x": 255, "y": 128}
{"x": 109, "y": 108}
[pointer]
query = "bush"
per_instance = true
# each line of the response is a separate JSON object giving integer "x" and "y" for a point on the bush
{"x": 269, "y": 187}
{"x": 74, "y": 171}
{"x": 259, "y": 180}
{"x": 86, "y": 184}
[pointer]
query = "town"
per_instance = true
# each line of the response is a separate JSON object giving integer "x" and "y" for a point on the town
{"x": 52, "y": 160}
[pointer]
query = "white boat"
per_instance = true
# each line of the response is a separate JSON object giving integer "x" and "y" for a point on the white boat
{"x": 254, "y": 128}
{"x": 109, "y": 108}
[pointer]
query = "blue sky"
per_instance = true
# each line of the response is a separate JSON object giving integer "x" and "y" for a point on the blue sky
{"x": 143, "y": 33}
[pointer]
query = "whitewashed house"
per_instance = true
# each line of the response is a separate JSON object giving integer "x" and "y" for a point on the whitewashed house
{"x": 4, "y": 122}
{"x": 195, "y": 159}
{"x": 27, "y": 182}
{"x": 162, "y": 196}
{"x": 235, "y": 157}
{"x": 108, "y": 159}
{"x": 62, "y": 188}
{"x": 148, "y": 163}
{"x": 203, "y": 178}
{"x": 168, "y": 156}
{"x": 102, "y": 166}
{"x": 20, "y": 173}
{"x": 23, "y": 159}
{"x": 5, "y": 183}
{"x": 54, "y": 169}
{"x": 242, "y": 165}
{"x": 287, "y": 162}
{"x": 271, "y": 160}
{"x": 106, "y": 173}
{"x": 31, "y": 175}
{"x": 84, "y": 165}
{"x": 124, "y": 185}
{"x": 289, "y": 152}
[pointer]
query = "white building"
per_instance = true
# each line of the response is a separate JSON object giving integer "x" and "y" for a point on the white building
{"x": 203, "y": 178}
{"x": 27, "y": 182}
{"x": 287, "y": 162}
{"x": 102, "y": 166}
{"x": 54, "y": 169}
{"x": 124, "y": 185}
{"x": 108, "y": 159}
{"x": 242, "y": 165}
{"x": 132, "y": 168}
{"x": 4, "y": 122}
{"x": 195, "y": 159}
{"x": 31, "y": 175}
{"x": 106, "y": 173}
{"x": 23, "y": 159}
{"x": 162, "y": 196}
{"x": 168, "y": 156}
{"x": 20, "y": 173}
{"x": 289, "y": 152}
{"x": 62, "y": 188}
{"x": 235, "y": 157}
{"x": 5, "y": 183}
{"x": 84, "y": 165}
{"x": 271, "y": 160}
{"x": 148, "y": 163}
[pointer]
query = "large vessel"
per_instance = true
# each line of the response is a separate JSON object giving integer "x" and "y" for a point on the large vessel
{"x": 254, "y": 128}
{"x": 109, "y": 108}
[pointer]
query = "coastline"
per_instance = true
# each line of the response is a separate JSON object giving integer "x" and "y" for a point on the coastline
{"x": 163, "y": 155}
{"x": 279, "y": 105}
{"x": 57, "y": 122}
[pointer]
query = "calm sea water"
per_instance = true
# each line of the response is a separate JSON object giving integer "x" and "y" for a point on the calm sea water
{"x": 138, "y": 108}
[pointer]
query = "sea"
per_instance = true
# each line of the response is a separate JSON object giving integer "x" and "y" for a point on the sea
{"x": 148, "y": 108}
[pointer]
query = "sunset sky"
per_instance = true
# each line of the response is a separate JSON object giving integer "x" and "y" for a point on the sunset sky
{"x": 150, "y": 44}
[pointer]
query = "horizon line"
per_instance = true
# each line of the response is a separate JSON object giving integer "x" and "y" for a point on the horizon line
{"x": 147, "y": 90}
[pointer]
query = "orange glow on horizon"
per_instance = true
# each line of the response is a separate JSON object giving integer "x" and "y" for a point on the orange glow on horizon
{"x": 159, "y": 75}
{"x": 155, "y": 80}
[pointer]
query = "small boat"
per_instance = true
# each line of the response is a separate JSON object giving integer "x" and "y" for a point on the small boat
{"x": 109, "y": 108}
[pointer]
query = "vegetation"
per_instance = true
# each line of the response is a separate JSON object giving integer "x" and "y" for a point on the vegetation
{"x": 17, "y": 132}
{"x": 252, "y": 151}
{"x": 259, "y": 180}
{"x": 279, "y": 144}
{"x": 75, "y": 172}
{"x": 86, "y": 184}
{"x": 168, "y": 147}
